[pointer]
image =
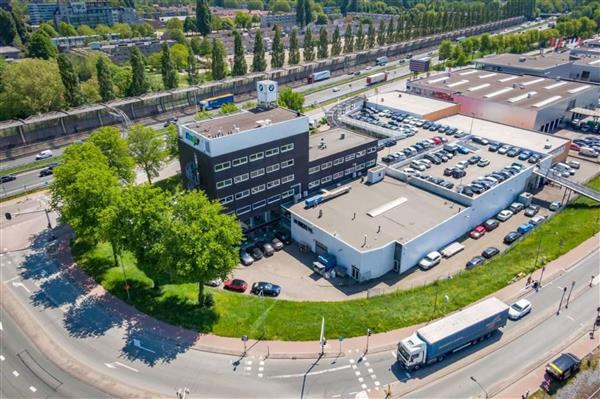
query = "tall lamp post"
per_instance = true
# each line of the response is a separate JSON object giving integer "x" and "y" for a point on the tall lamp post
{"x": 480, "y": 386}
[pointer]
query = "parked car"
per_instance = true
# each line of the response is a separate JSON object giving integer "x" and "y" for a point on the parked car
{"x": 555, "y": 205}
{"x": 255, "y": 252}
{"x": 459, "y": 173}
{"x": 491, "y": 224}
{"x": 170, "y": 121}
{"x": 246, "y": 259}
{"x": 44, "y": 155}
{"x": 477, "y": 232}
{"x": 235, "y": 285}
{"x": 525, "y": 228}
{"x": 574, "y": 164}
{"x": 536, "y": 220}
{"x": 519, "y": 309}
{"x": 266, "y": 248}
{"x": 532, "y": 210}
{"x": 516, "y": 207}
{"x": 511, "y": 237}
{"x": 490, "y": 252}
{"x": 267, "y": 289}
{"x": 476, "y": 261}
{"x": 431, "y": 260}
{"x": 276, "y": 244}
{"x": 214, "y": 283}
{"x": 560, "y": 370}
{"x": 504, "y": 215}
{"x": 483, "y": 162}
{"x": 7, "y": 178}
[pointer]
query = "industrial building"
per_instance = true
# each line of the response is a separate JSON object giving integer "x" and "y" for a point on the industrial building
{"x": 524, "y": 101}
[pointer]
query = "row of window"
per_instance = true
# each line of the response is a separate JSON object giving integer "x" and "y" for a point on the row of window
{"x": 339, "y": 161}
{"x": 340, "y": 174}
{"x": 257, "y": 189}
{"x": 254, "y": 157}
{"x": 254, "y": 174}
{"x": 260, "y": 204}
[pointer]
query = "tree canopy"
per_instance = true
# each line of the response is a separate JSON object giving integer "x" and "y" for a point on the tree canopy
{"x": 146, "y": 148}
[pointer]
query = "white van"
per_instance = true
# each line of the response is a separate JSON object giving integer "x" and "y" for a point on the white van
{"x": 44, "y": 155}
{"x": 588, "y": 152}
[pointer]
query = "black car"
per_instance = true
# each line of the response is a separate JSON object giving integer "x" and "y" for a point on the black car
{"x": 467, "y": 191}
{"x": 46, "y": 172}
{"x": 490, "y": 252}
{"x": 264, "y": 288}
{"x": 494, "y": 147}
{"x": 458, "y": 173}
{"x": 255, "y": 252}
{"x": 283, "y": 237}
{"x": 476, "y": 261}
{"x": 474, "y": 159}
{"x": 491, "y": 224}
{"x": 7, "y": 178}
{"x": 511, "y": 237}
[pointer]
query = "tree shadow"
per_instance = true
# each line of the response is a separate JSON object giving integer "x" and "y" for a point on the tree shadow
{"x": 56, "y": 292}
{"x": 92, "y": 317}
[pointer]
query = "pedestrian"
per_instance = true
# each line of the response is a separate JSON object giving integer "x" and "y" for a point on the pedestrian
{"x": 528, "y": 281}
{"x": 592, "y": 280}
{"x": 536, "y": 285}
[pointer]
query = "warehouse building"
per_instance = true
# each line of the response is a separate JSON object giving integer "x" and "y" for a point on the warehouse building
{"x": 523, "y": 101}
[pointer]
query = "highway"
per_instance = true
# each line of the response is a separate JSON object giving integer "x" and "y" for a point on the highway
{"x": 132, "y": 352}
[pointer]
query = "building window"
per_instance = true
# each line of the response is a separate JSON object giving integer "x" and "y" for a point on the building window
{"x": 240, "y": 178}
{"x": 287, "y": 194}
{"x": 349, "y": 157}
{"x": 326, "y": 179}
{"x": 274, "y": 199}
{"x": 223, "y": 183}
{"x": 222, "y": 166}
{"x": 287, "y": 147}
{"x": 371, "y": 150}
{"x": 287, "y": 164}
{"x": 242, "y": 210}
{"x": 242, "y": 194}
{"x": 371, "y": 163}
{"x": 259, "y": 204}
{"x": 239, "y": 161}
{"x": 272, "y": 184}
{"x": 287, "y": 179}
{"x": 302, "y": 225}
{"x": 314, "y": 170}
{"x": 271, "y": 152}
{"x": 258, "y": 172}
{"x": 338, "y": 175}
{"x": 257, "y": 156}
{"x": 349, "y": 171}
{"x": 338, "y": 161}
{"x": 314, "y": 184}
{"x": 273, "y": 168}
{"x": 226, "y": 200}
{"x": 258, "y": 189}
{"x": 360, "y": 166}
{"x": 326, "y": 165}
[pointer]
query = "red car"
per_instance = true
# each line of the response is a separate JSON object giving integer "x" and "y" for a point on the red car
{"x": 477, "y": 232}
{"x": 437, "y": 140}
{"x": 574, "y": 147}
{"x": 235, "y": 285}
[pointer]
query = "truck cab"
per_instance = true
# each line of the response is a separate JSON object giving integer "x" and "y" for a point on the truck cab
{"x": 412, "y": 352}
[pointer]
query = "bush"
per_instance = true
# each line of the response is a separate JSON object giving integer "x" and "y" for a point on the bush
{"x": 228, "y": 108}
{"x": 249, "y": 105}
{"x": 200, "y": 115}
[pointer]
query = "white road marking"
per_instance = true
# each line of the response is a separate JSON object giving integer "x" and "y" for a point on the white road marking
{"x": 367, "y": 364}
{"x": 248, "y": 362}
{"x": 2, "y": 358}
{"x": 354, "y": 366}
{"x": 336, "y": 396}
{"x": 32, "y": 388}
{"x": 559, "y": 287}
{"x": 1, "y": 326}
{"x": 260, "y": 375}
{"x": 373, "y": 376}
{"x": 109, "y": 365}
{"x": 376, "y": 383}
{"x": 15, "y": 373}
{"x": 12, "y": 279}
{"x": 357, "y": 373}
{"x": 363, "y": 386}
{"x": 393, "y": 354}
{"x": 19, "y": 284}
{"x": 138, "y": 344}
{"x": 312, "y": 372}
{"x": 370, "y": 370}
{"x": 360, "y": 379}
{"x": 248, "y": 368}
{"x": 351, "y": 361}
{"x": 262, "y": 363}
{"x": 570, "y": 318}
{"x": 126, "y": 366}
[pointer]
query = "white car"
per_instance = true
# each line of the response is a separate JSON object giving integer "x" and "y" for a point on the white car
{"x": 429, "y": 261}
{"x": 504, "y": 215}
{"x": 418, "y": 166}
{"x": 537, "y": 220}
{"x": 519, "y": 309}
{"x": 336, "y": 89}
{"x": 555, "y": 206}
{"x": 44, "y": 155}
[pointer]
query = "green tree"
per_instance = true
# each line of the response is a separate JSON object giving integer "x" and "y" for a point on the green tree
{"x": 239, "y": 60}
{"x": 371, "y": 36}
{"x": 167, "y": 68}
{"x": 458, "y": 55}
{"x": 300, "y": 20}
{"x": 122, "y": 29}
{"x": 348, "y": 40}
{"x": 146, "y": 148}
{"x": 180, "y": 55}
{"x": 30, "y": 86}
{"x": 83, "y": 186}
{"x": 280, "y": 6}
{"x": 445, "y": 50}
{"x": 103, "y": 30}
{"x": 308, "y": 50}
{"x": 308, "y": 14}
{"x": 322, "y": 49}
{"x": 391, "y": 32}
{"x": 174, "y": 23}
{"x": 203, "y": 17}
{"x": 48, "y": 29}
{"x": 291, "y": 99}
{"x": 259, "y": 64}
{"x": 359, "y": 43}
{"x": 172, "y": 140}
{"x": 294, "y": 50}
{"x": 40, "y": 46}
{"x": 336, "y": 42}
{"x": 189, "y": 24}
{"x": 66, "y": 29}
{"x": 277, "y": 49}
{"x": 486, "y": 43}
{"x": 139, "y": 83}
{"x": 192, "y": 69}
{"x": 115, "y": 148}
{"x": 243, "y": 20}
{"x": 8, "y": 29}
{"x": 381, "y": 40}
{"x": 70, "y": 81}
{"x": 255, "y": 5}
{"x": 202, "y": 242}
{"x": 85, "y": 30}
{"x": 217, "y": 66}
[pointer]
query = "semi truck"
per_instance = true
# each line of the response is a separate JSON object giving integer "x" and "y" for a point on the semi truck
{"x": 318, "y": 76}
{"x": 215, "y": 102}
{"x": 432, "y": 343}
{"x": 381, "y": 61}
{"x": 376, "y": 78}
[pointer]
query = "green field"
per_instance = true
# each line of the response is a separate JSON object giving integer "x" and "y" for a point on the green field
{"x": 234, "y": 315}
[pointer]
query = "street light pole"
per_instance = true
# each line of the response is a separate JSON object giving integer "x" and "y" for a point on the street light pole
{"x": 561, "y": 300}
{"x": 480, "y": 386}
{"x": 262, "y": 295}
{"x": 368, "y": 335}
{"x": 569, "y": 296}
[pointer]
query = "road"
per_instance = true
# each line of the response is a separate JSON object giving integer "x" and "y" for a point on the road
{"x": 139, "y": 352}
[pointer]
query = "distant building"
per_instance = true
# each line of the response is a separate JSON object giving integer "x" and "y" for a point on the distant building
{"x": 81, "y": 13}
{"x": 9, "y": 52}
{"x": 6, "y": 5}
{"x": 118, "y": 51}
{"x": 267, "y": 21}
{"x": 41, "y": 12}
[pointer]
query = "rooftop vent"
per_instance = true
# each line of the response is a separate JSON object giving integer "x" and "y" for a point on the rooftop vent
{"x": 342, "y": 136}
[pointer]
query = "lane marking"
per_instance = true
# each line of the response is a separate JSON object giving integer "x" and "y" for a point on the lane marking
{"x": 312, "y": 372}
{"x": 138, "y": 344}
{"x": 1, "y": 326}
{"x": 15, "y": 373}
{"x": 393, "y": 354}
{"x": 363, "y": 386}
{"x": 570, "y": 318}
{"x": 125, "y": 366}
{"x": 260, "y": 375}
{"x": 370, "y": 370}
{"x": 357, "y": 373}
{"x": 373, "y": 377}
{"x": 2, "y": 358}
{"x": 367, "y": 364}
{"x": 19, "y": 284}
{"x": 360, "y": 379}
{"x": 109, "y": 365}
{"x": 377, "y": 383}
{"x": 32, "y": 388}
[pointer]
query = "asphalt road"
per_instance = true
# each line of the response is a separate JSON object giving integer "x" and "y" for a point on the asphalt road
{"x": 136, "y": 352}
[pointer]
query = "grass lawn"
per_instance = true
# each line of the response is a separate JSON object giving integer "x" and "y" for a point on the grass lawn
{"x": 234, "y": 315}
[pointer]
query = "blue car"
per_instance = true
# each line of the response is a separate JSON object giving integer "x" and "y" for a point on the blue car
{"x": 525, "y": 228}
{"x": 524, "y": 155}
{"x": 463, "y": 149}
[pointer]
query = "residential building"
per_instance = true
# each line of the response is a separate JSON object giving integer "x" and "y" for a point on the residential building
{"x": 89, "y": 13}
{"x": 268, "y": 21}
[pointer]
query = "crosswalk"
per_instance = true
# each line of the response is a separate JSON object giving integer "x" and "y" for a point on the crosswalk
{"x": 364, "y": 373}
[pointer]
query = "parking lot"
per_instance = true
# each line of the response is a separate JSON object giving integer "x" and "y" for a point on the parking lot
{"x": 575, "y": 137}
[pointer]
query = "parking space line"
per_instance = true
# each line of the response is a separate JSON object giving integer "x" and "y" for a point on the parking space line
{"x": 32, "y": 388}
{"x": 15, "y": 373}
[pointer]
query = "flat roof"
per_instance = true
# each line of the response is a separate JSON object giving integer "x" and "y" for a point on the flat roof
{"x": 524, "y": 91}
{"x": 400, "y": 212}
{"x": 590, "y": 61}
{"x": 515, "y": 136}
{"x": 538, "y": 61}
{"x": 335, "y": 140}
{"x": 418, "y": 105}
{"x": 244, "y": 120}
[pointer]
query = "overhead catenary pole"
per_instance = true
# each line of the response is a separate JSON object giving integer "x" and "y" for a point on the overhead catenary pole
{"x": 569, "y": 296}
{"x": 561, "y": 300}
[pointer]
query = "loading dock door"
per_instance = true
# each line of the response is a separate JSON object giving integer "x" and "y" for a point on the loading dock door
{"x": 320, "y": 249}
